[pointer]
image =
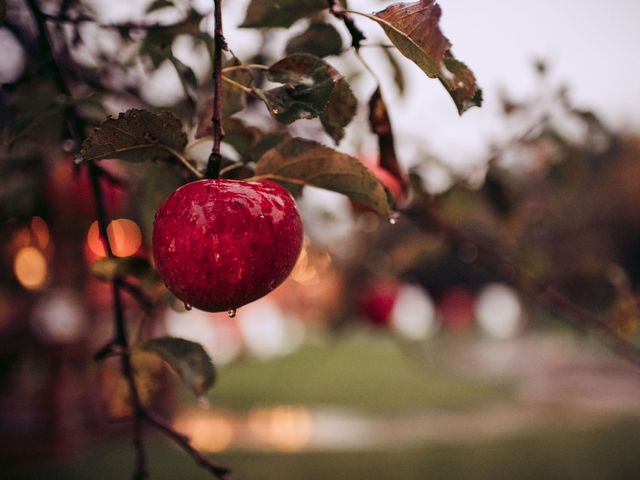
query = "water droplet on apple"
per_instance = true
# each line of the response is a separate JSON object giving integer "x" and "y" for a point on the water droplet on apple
{"x": 232, "y": 312}
{"x": 187, "y": 306}
{"x": 203, "y": 402}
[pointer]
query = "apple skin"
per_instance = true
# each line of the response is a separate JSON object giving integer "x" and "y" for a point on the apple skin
{"x": 220, "y": 244}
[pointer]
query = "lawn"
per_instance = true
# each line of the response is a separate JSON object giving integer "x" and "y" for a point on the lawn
{"x": 370, "y": 373}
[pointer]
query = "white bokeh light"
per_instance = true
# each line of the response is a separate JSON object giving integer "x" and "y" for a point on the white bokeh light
{"x": 413, "y": 315}
{"x": 499, "y": 311}
{"x": 59, "y": 317}
{"x": 215, "y": 332}
{"x": 267, "y": 332}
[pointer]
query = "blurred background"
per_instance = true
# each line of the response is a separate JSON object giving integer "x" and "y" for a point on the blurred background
{"x": 395, "y": 349}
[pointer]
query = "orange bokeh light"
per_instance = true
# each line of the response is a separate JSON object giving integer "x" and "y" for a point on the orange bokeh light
{"x": 124, "y": 235}
{"x": 30, "y": 268}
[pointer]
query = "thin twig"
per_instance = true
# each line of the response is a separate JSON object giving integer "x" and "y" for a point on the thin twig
{"x": 121, "y": 340}
{"x": 357, "y": 36}
{"x": 220, "y": 471}
{"x": 248, "y": 66}
{"x": 215, "y": 158}
{"x": 141, "y": 413}
{"x": 244, "y": 88}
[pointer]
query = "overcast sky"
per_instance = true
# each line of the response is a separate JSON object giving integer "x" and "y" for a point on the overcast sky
{"x": 591, "y": 46}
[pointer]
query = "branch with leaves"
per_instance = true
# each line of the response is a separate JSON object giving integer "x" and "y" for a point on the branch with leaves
{"x": 307, "y": 87}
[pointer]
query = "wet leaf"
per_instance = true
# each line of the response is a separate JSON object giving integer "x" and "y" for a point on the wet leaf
{"x": 413, "y": 28}
{"x": 188, "y": 359}
{"x": 305, "y": 162}
{"x": 320, "y": 39}
{"x": 340, "y": 110}
{"x": 381, "y": 126}
{"x": 279, "y": 13}
{"x": 308, "y": 84}
{"x": 136, "y": 135}
{"x": 114, "y": 268}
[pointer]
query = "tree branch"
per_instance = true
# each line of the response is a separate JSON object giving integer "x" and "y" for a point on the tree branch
{"x": 140, "y": 412}
{"x": 220, "y": 44}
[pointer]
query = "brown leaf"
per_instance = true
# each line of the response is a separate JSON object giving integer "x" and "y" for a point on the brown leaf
{"x": 381, "y": 126}
{"x": 414, "y": 30}
{"x": 305, "y": 162}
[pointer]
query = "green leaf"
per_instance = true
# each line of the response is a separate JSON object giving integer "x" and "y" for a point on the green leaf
{"x": 305, "y": 162}
{"x": 158, "y": 5}
{"x": 340, "y": 110}
{"x": 234, "y": 100}
{"x": 136, "y": 135}
{"x": 188, "y": 359}
{"x": 249, "y": 141}
{"x": 279, "y": 13}
{"x": 156, "y": 45}
{"x": 413, "y": 28}
{"x": 187, "y": 78}
{"x": 320, "y": 39}
{"x": 114, "y": 268}
{"x": 308, "y": 84}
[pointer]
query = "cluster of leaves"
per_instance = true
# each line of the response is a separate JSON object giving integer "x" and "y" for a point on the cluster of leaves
{"x": 301, "y": 85}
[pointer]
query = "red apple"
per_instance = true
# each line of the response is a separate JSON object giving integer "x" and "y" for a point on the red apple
{"x": 376, "y": 301}
{"x": 220, "y": 244}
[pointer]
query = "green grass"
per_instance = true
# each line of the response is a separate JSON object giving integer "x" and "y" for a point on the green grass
{"x": 604, "y": 453}
{"x": 367, "y": 373}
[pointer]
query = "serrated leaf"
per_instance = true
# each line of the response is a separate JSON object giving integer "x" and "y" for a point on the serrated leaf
{"x": 414, "y": 29}
{"x": 381, "y": 125}
{"x": 136, "y": 135}
{"x": 308, "y": 83}
{"x": 320, "y": 39}
{"x": 305, "y": 162}
{"x": 188, "y": 359}
{"x": 340, "y": 110}
{"x": 114, "y": 268}
{"x": 279, "y": 13}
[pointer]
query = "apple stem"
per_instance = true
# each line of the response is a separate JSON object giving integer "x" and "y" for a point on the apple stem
{"x": 220, "y": 44}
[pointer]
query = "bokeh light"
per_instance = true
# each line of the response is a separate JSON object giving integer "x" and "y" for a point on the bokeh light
{"x": 286, "y": 428}
{"x": 499, "y": 311}
{"x": 124, "y": 235}
{"x": 30, "y": 268}
{"x": 59, "y": 317}
{"x": 207, "y": 431}
{"x": 413, "y": 315}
